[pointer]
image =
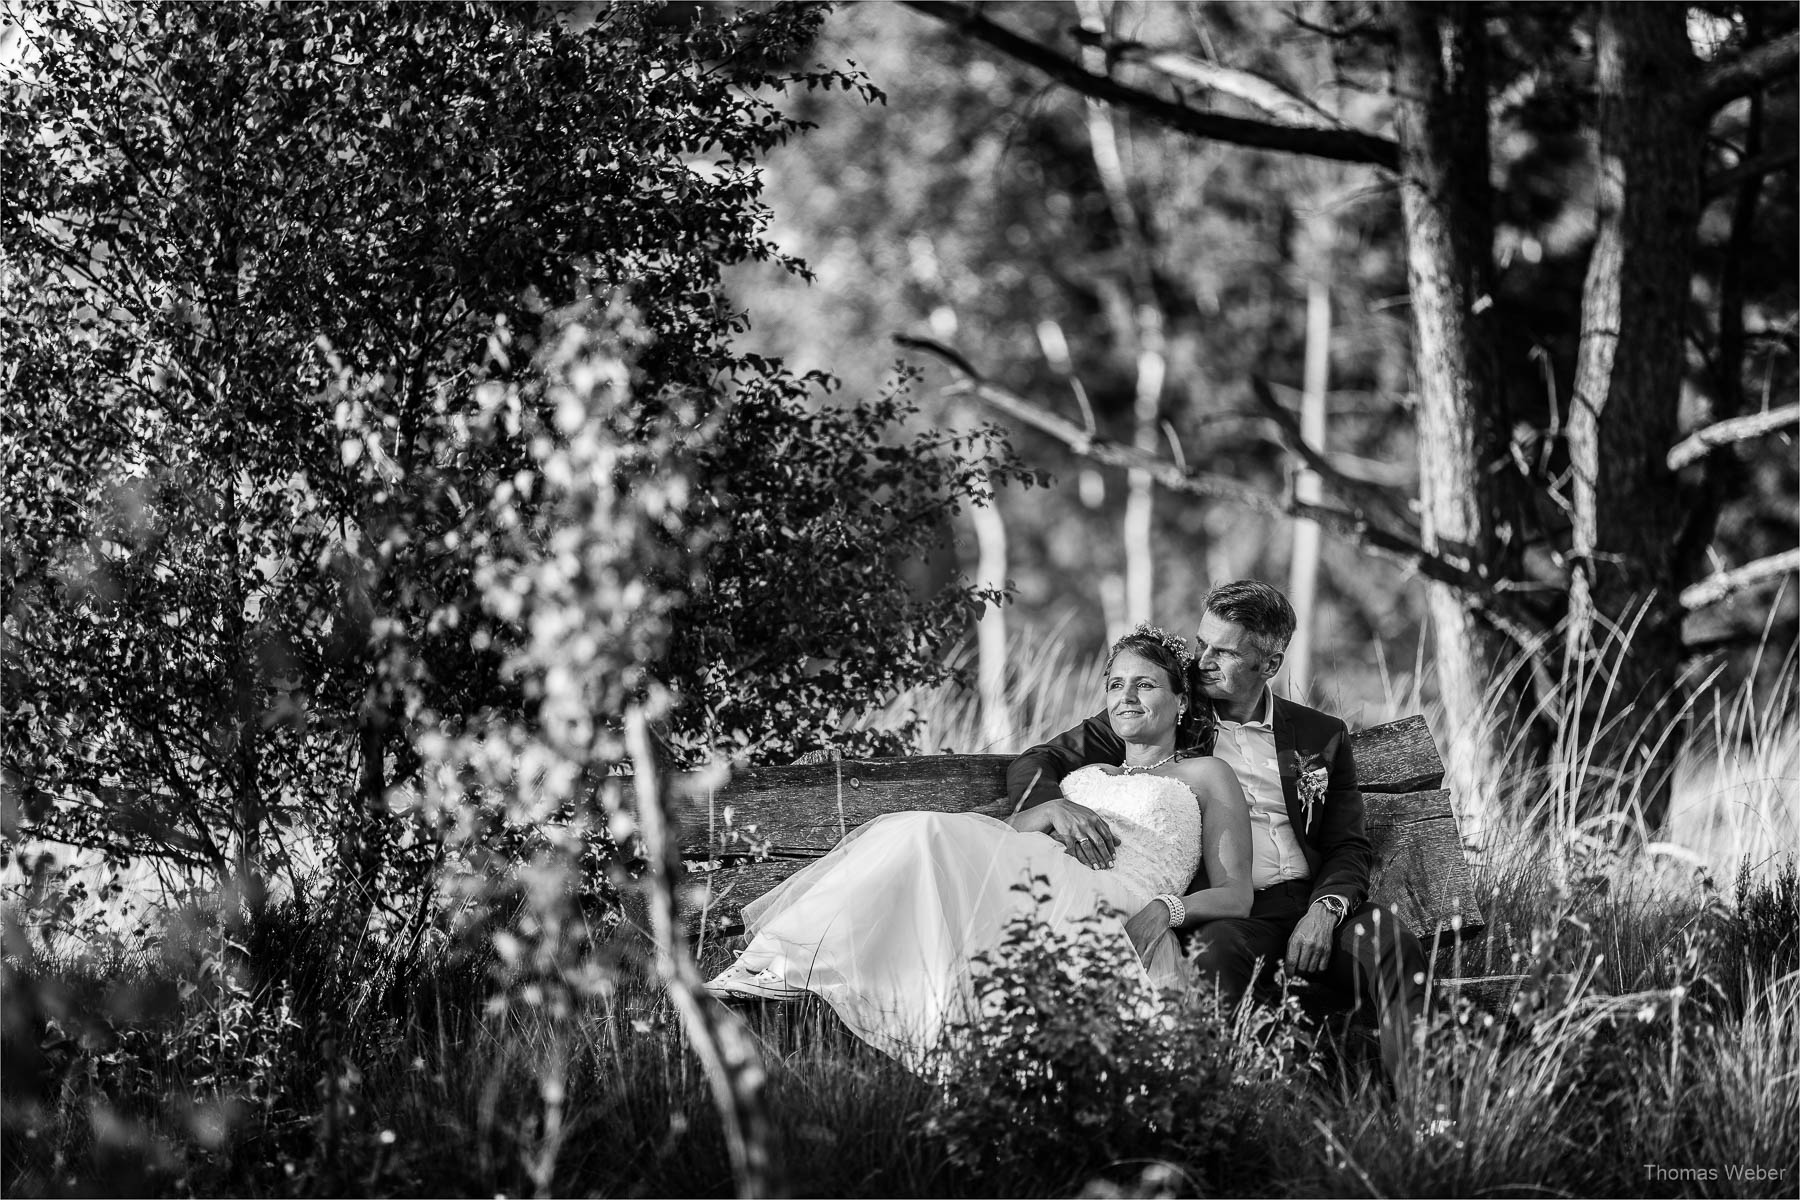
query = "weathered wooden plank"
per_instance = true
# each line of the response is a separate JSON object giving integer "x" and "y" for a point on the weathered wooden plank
{"x": 1385, "y": 810}
{"x": 811, "y": 807}
{"x": 1424, "y": 878}
{"x": 1400, "y": 756}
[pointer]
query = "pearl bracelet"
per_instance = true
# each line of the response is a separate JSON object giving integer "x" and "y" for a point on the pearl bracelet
{"x": 1177, "y": 909}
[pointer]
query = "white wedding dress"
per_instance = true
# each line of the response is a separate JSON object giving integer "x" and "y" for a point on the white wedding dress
{"x": 884, "y": 927}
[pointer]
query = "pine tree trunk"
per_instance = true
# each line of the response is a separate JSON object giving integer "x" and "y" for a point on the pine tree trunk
{"x": 1441, "y": 120}
{"x": 1624, "y": 624}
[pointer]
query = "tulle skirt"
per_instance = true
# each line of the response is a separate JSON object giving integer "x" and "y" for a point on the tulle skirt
{"x": 885, "y": 928}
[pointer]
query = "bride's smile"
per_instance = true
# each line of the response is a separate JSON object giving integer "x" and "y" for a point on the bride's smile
{"x": 1142, "y": 705}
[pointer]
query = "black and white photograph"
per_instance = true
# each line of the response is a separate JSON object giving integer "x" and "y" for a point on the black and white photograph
{"x": 900, "y": 598}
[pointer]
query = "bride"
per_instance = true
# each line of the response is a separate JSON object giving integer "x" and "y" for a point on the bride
{"x": 885, "y": 926}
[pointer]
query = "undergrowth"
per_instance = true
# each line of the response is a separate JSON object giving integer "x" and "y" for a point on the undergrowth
{"x": 1654, "y": 1048}
{"x": 204, "y": 1077}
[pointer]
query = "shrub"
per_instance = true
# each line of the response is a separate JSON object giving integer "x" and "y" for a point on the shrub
{"x": 1074, "y": 1064}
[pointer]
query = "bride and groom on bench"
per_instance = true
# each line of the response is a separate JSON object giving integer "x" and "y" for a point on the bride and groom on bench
{"x": 1212, "y": 824}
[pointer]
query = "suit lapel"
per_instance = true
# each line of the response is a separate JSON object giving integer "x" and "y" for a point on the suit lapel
{"x": 1288, "y": 760}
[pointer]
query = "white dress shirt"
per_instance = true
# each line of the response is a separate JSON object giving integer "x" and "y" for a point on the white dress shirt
{"x": 1249, "y": 750}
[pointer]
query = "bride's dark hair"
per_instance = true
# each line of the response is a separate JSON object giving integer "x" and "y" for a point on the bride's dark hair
{"x": 1195, "y": 732}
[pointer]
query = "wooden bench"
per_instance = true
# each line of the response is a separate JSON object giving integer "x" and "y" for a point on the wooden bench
{"x": 768, "y": 822}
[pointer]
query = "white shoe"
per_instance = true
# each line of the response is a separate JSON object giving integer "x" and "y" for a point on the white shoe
{"x": 766, "y": 984}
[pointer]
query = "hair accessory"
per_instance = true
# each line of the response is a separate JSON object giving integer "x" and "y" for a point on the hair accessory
{"x": 1175, "y": 645}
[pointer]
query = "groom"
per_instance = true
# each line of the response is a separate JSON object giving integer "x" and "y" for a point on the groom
{"x": 1311, "y": 857}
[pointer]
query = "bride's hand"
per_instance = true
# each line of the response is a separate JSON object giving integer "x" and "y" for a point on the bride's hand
{"x": 1082, "y": 832}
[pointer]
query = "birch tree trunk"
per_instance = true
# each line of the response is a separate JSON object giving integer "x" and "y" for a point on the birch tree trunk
{"x": 724, "y": 1047}
{"x": 1140, "y": 495}
{"x": 1303, "y": 571}
{"x": 1140, "y": 326}
{"x": 990, "y": 628}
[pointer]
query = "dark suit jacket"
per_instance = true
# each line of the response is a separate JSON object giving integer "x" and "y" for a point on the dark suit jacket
{"x": 1332, "y": 835}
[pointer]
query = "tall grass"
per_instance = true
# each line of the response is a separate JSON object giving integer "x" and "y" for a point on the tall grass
{"x": 1051, "y": 685}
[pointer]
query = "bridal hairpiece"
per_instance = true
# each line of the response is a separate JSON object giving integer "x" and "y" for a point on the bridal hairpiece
{"x": 1175, "y": 645}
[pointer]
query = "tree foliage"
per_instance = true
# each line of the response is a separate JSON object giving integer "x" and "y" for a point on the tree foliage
{"x": 269, "y": 273}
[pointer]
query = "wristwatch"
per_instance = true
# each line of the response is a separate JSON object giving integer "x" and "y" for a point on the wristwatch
{"x": 1336, "y": 905}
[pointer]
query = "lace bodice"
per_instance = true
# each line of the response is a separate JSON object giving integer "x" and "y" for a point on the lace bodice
{"x": 1156, "y": 819}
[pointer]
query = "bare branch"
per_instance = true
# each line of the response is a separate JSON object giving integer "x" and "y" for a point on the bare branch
{"x": 1283, "y": 106}
{"x": 1701, "y": 442}
{"x": 1371, "y": 31}
{"x": 1168, "y": 429}
{"x": 1750, "y": 169}
{"x": 1353, "y": 525}
{"x": 1338, "y": 145}
{"x": 1748, "y": 72}
{"x": 1357, "y": 491}
{"x": 1715, "y": 588}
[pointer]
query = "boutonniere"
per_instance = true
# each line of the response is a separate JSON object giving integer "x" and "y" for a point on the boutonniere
{"x": 1312, "y": 779}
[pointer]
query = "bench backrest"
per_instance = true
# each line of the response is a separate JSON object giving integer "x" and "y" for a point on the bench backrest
{"x": 768, "y": 822}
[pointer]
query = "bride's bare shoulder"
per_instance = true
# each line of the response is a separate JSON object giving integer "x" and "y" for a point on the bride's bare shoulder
{"x": 1203, "y": 772}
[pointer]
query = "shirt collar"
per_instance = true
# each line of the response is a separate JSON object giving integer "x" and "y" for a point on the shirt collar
{"x": 1267, "y": 718}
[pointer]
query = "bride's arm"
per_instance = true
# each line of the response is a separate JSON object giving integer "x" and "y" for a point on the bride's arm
{"x": 1224, "y": 842}
{"x": 1224, "y": 847}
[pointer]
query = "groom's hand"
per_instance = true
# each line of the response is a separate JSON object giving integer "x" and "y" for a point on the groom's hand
{"x": 1082, "y": 832}
{"x": 1309, "y": 949}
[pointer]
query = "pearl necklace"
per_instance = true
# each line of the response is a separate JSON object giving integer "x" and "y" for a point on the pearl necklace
{"x": 1160, "y": 763}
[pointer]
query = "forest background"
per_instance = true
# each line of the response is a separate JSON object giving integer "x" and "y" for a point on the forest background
{"x": 415, "y": 446}
{"x": 1242, "y": 312}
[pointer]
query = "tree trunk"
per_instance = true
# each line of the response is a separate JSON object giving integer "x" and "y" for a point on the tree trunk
{"x": 1624, "y": 628}
{"x": 1140, "y": 325}
{"x": 248, "y": 885}
{"x": 990, "y": 627}
{"x": 1140, "y": 494}
{"x": 725, "y": 1049}
{"x": 1441, "y": 120}
{"x": 1303, "y": 570}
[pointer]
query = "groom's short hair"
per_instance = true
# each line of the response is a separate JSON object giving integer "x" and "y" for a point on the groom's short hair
{"x": 1259, "y": 607}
